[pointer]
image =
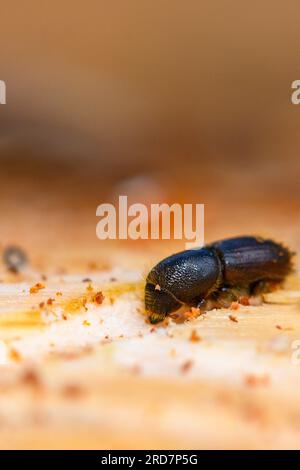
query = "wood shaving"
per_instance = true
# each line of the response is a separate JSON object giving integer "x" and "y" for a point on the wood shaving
{"x": 195, "y": 337}
{"x": 186, "y": 366}
{"x": 234, "y": 306}
{"x": 233, "y": 318}
{"x": 98, "y": 298}
{"x": 254, "y": 380}
{"x": 36, "y": 288}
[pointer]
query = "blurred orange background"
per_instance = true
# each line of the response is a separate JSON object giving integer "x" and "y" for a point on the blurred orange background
{"x": 168, "y": 101}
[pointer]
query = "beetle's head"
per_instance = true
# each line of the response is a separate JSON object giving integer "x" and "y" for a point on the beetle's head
{"x": 159, "y": 302}
{"x": 185, "y": 278}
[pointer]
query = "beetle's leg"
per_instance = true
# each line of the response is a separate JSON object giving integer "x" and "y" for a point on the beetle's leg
{"x": 156, "y": 318}
{"x": 204, "y": 305}
{"x": 260, "y": 287}
{"x": 201, "y": 304}
{"x": 224, "y": 298}
{"x": 227, "y": 294}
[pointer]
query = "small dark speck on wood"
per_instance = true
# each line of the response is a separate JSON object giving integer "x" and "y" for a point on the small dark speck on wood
{"x": 14, "y": 258}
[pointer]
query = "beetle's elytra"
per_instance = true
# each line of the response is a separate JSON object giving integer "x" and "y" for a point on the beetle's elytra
{"x": 219, "y": 272}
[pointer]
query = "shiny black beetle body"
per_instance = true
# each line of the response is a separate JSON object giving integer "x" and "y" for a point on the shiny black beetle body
{"x": 223, "y": 269}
